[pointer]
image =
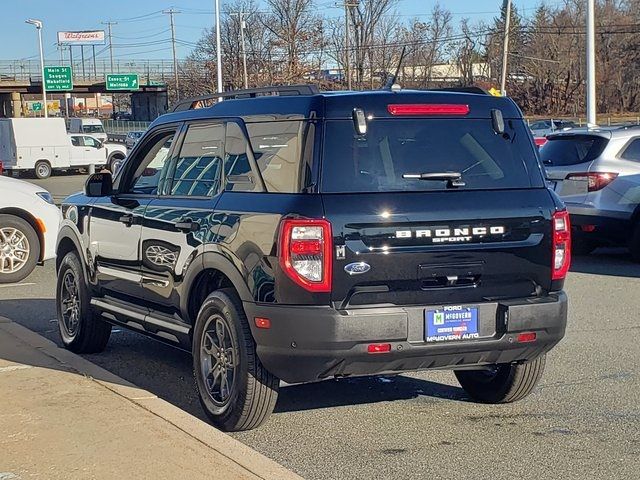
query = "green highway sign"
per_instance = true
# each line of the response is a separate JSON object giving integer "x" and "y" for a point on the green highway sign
{"x": 123, "y": 81}
{"x": 58, "y": 78}
{"x": 36, "y": 106}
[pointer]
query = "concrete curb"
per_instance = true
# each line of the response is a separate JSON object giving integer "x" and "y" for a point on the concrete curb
{"x": 238, "y": 453}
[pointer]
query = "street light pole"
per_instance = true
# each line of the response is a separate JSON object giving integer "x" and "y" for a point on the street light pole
{"x": 38, "y": 25}
{"x": 591, "y": 63}
{"x": 505, "y": 48}
{"x": 218, "y": 47}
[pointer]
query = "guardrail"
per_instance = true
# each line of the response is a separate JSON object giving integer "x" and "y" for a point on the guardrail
{"x": 148, "y": 70}
{"x": 123, "y": 126}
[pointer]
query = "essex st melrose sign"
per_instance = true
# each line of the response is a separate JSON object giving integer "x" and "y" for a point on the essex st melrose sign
{"x": 58, "y": 79}
{"x": 122, "y": 81}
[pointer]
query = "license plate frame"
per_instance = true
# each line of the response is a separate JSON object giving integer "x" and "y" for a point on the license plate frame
{"x": 454, "y": 323}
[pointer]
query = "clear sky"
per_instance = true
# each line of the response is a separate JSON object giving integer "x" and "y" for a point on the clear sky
{"x": 143, "y": 32}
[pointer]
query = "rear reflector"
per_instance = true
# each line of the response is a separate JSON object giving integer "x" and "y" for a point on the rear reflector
{"x": 526, "y": 337}
{"x": 561, "y": 258}
{"x": 262, "y": 322}
{"x": 379, "y": 348}
{"x": 595, "y": 180}
{"x": 428, "y": 109}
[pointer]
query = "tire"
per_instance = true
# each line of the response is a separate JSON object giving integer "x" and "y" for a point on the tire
{"x": 19, "y": 249}
{"x": 81, "y": 329}
{"x": 583, "y": 247}
{"x": 634, "y": 244}
{"x": 42, "y": 169}
{"x": 114, "y": 163}
{"x": 507, "y": 383}
{"x": 250, "y": 396}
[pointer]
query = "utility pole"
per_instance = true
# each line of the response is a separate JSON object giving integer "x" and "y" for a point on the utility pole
{"x": 243, "y": 25}
{"x": 113, "y": 96}
{"x": 218, "y": 47}
{"x": 591, "y": 64}
{"x": 505, "y": 47}
{"x": 171, "y": 12}
{"x": 347, "y": 46}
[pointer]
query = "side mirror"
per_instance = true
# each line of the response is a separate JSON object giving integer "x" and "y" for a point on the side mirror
{"x": 99, "y": 185}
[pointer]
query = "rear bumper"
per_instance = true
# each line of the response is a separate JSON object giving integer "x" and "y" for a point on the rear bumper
{"x": 604, "y": 225}
{"x": 311, "y": 343}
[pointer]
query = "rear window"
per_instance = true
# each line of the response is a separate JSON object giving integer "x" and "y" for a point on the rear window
{"x": 392, "y": 149}
{"x": 572, "y": 149}
{"x": 93, "y": 129}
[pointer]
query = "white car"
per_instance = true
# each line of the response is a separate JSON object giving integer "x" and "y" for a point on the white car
{"x": 29, "y": 223}
{"x": 132, "y": 138}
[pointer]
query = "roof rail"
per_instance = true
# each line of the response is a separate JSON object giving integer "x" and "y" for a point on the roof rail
{"x": 476, "y": 90}
{"x": 205, "y": 101}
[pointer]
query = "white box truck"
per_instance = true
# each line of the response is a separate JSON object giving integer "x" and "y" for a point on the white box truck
{"x": 88, "y": 126}
{"x": 41, "y": 145}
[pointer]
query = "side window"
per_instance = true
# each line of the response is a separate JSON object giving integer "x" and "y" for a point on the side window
{"x": 632, "y": 152}
{"x": 151, "y": 165}
{"x": 278, "y": 149}
{"x": 198, "y": 169}
{"x": 237, "y": 169}
{"x": 90, "y": 142}
{"x": 75, "y": 141}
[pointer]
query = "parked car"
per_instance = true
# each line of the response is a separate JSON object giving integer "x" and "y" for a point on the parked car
{"x": 29, "y": 223}
{"x": 91, "y": 126}
{"x": 122, "y": 116}
{"x": 595, "y": 171}
{"x": 42, "y": 145}
{"x": 112, "y": 153}
{"x": 132, "y": 138}
{"x": 542, "y": 128}
{"x": 320, "y": 235}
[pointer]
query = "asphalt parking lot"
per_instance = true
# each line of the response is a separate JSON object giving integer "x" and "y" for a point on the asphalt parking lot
{"x": 582, "y": 422}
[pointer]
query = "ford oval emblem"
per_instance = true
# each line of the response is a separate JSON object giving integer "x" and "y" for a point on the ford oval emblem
{"x": 357, "y": 268}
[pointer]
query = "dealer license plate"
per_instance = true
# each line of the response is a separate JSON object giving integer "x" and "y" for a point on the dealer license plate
{"x": 452, "y": 323}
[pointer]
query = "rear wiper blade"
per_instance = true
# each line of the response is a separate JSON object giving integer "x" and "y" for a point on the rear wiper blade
{"x": 453, "y": 179}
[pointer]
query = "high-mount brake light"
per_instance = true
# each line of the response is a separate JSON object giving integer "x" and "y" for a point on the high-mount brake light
{"x": 595, "y": 180}
{"x": 561, "y": 258}
{"x": 305, "y": 252}
{"x": 408, "y": 109}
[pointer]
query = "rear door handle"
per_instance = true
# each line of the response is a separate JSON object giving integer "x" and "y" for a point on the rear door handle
{"x": 126, "y": 219}
{"x": 187, "y": 226}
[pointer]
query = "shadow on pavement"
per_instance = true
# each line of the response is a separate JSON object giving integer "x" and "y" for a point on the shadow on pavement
{"x": 607, "y": 261}
{"x": 361, "y": 390}
{"x": 167, "y": 372}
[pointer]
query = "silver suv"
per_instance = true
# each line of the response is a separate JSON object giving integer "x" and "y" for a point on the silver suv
{"x": 596, "y": 171}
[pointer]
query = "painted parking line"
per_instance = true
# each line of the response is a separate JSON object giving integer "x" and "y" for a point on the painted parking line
{"x": 13, "y": 285}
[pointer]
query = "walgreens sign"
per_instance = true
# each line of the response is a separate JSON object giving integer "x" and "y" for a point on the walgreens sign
{"x": 88, "y": 37}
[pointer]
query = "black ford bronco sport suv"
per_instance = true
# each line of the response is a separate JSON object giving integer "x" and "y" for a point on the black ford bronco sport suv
{"x": 293, "y": 234}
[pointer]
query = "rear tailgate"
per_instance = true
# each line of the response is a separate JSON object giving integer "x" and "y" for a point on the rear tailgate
{"x": 567, "y": 154}
{"x": 420, "y": 251}
{"x": 406, "y": 237}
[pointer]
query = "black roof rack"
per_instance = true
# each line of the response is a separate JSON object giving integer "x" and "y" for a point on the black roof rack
{"x": 205, "y": 101}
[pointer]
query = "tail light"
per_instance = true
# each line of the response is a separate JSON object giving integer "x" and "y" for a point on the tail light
{"x": 1, "y": 168}
{"x": 540, "y": 141}
{"x": 306, "y": 253}
{"x": 596, "y": 180}
{"x": 561, "y": 245}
